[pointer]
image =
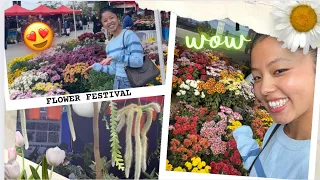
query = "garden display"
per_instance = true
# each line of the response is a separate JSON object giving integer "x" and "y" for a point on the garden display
{"x": 60, "y": 70}
{"x": 210, "y": 99}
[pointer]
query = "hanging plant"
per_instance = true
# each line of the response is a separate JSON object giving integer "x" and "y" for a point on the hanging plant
{"x": 126, "y": 116}
{"x": 114, "y": 140}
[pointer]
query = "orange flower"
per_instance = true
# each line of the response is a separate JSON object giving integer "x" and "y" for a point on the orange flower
{"x": 187, "y": 142}
{"x": 184, "y": 157}
{"x": 193, "y": 138}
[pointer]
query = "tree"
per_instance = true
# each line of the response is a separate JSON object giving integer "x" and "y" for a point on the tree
{"x": 51, "y": 4}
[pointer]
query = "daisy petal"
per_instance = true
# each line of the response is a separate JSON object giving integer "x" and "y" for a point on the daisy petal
{"x": 291, "y": 39}
{"x": 285, "y": 33}
{"x": 292, "y": 3}
{"x": 296, "y": 42}
{"x": 279, "y": 14}
{"x": 306, "y": 49}
{"x": 281, "y": 6}
{"x": 282, "y": 26}
{"x": 303, "y": 40}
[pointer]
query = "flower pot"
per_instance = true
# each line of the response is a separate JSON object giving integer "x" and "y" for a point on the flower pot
{"x": 33, "y": 114}
{"x": 54, "y": 113}
{"x": 142, "y": 121}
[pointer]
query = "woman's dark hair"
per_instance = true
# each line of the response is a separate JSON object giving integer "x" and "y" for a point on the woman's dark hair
{"x": 260, "y": 37}
{"x": 107, "y": 9}
{"x": 130, "y": 13}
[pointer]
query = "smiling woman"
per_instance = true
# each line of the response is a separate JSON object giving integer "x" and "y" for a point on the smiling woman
{"x": 118, "y": 56}
{"x": 284, "y": 83}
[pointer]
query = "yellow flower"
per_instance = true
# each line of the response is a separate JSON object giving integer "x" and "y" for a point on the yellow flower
{"x": 20, "y": 59}
{"x": 234, "y": 125}
{"x": 180, "y": 169}
{"x": 168, "y": 167}
{"x": 195, "y": 170}
{"x": 188, "y": 165}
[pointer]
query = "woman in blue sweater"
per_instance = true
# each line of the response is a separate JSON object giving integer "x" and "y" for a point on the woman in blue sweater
{"x": 117, "y": 56}
{"x": 284, "y": 83}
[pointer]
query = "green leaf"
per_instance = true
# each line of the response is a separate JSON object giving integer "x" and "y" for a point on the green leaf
{"x": 34, "y": 173}
{"x": 23, "y": 174}
{"x": 44, "y": 168}
{"x": 152, "y": 173}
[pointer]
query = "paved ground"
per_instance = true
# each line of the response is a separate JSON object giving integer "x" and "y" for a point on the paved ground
{"x": 20, "y": 49}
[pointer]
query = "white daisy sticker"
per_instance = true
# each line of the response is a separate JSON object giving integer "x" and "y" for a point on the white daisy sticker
{"x": 298, "y": 24}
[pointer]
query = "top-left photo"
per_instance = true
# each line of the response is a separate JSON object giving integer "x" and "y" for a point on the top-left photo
{"x": 68, "y": 47}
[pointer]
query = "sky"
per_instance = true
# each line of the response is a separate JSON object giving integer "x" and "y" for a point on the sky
{"x": 28, "y": 4}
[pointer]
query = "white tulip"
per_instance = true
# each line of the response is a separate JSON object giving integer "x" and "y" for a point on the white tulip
{"x": 188, "y": 81}
{"x": 186, "y": 87}
{"x": 202, "y": 95}
{"x": 178, "y": 94}
{"x": 19, "y": 139}
{"x": 11, "y": 170}
{"x": 12, "y": 154}
{"x": 183, "y": 92}
{"x": 55, "y": 156}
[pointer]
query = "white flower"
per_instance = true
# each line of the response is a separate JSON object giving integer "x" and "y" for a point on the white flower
{"x": 183, "y": 92}
{"x": 55, "y": 156}
{"x": 194, "y": 84}
{"x": 19, "y": 140}
{"x": 182, "y": 85}
{"x": 11, "y": 170}
{"x": 197, "y": 93}
{"x": 202, "y": 95}
{"x": 298, "y": 24}
{"x": 186, "y": 87}
{"x": 178, "y": 94}
{"x": 188, "y": 81}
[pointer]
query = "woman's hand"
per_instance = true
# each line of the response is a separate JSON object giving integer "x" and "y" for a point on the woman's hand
{"x": 106, "y": 61}
{"x": 89, "y": 68}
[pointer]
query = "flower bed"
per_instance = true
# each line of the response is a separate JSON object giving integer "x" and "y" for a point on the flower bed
{"x": 59, "y": 70}
{"x": 210, "y": 99}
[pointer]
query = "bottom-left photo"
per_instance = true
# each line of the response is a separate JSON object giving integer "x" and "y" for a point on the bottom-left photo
{"x": 117, "y": 139}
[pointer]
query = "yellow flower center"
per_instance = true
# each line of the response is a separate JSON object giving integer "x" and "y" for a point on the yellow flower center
{"x": 303, "y": 18}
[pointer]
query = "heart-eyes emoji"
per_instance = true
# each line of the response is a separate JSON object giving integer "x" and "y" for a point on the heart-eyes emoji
{"x": 38, "y": 36}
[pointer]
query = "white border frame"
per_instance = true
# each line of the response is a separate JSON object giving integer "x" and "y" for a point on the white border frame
{"x": 163, "y": 174}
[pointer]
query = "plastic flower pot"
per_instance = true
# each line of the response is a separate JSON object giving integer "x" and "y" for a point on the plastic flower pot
{"x": 33, "y": 114}
{"x": 54, "y": 113}
{"x": 142, "y": 121}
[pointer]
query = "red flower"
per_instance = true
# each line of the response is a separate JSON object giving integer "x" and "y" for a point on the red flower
{"x": 189, "y": 76}
{"x": 225, "y": 169}
{"x": 203, "y": 71}
{"x": 190, "y": 69}
{"x": 232, "y": 144}
{"x": 203, "y": 77}
{"x": 180, "y": 71}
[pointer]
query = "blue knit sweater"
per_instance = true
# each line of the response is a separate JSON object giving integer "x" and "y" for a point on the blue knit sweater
{"x": 132, "y": 56}
{"x": 283, "y": 157}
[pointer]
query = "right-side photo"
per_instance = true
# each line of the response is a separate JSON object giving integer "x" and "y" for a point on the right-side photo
{"x": 241, "y": 102}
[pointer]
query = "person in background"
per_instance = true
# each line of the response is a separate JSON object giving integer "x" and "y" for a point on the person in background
{"x": 84, "y": 23}
{"x": 59, "y": 26}
{"x": 117, "y": 57}
{"x": 66, "y": 27}
{"x": 127, "y": 21}
{"x": 96, "y": 23}
{"x": 6, "y": 31}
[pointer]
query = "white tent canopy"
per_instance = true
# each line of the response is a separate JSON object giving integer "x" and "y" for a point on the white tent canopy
{"x": 254, "y": 15}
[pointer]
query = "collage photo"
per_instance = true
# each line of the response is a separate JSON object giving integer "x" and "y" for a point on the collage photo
{"x": 161, "y": 89}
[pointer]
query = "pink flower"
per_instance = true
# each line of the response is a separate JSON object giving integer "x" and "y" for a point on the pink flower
{"x": 12, "y": 154}
{"x": 19, "y": 140}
